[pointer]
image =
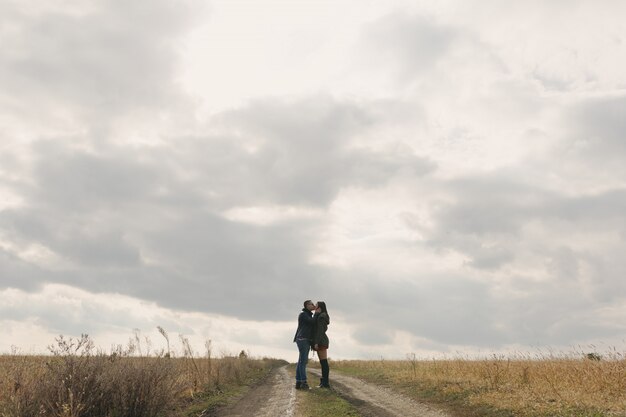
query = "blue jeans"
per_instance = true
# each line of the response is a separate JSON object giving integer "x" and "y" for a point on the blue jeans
{"x": 303, "y": 347}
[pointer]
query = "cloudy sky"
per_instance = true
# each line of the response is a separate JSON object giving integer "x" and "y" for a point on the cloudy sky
{"x": 448, "y": 176}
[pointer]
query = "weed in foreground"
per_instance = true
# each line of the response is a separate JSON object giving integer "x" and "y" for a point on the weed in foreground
{"x": 76, "y": 380}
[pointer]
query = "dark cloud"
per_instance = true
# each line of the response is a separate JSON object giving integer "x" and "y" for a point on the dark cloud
{"x": 74, "y": 180}
{"x": 16, "y": 273}
{"x": 234, "y": 268}
{"x": 298, "y": 152}
{"x": 148, "y": 222}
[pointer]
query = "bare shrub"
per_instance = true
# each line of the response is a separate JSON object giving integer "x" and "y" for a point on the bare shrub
{"x": 142, "y": 386}
{"x": 20, "y": 377}
{"x": 76, "y": 380}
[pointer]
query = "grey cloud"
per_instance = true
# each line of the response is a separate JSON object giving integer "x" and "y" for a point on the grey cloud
{"x": 409, "y": 44}
{"x": 607, "y": 269}
{"x": 557, "y": 310}
{"x": 233, "y": 268}
{"x": 597, "y": 130}
{"x": 103, "y": 214}
{"x": 23, "y": 225}
{"x": 72, "y": 238}
{"x": 16, "y": 273}
{"x": 457, "y": 310}
{"x": 81, "y": 205}
{"x": 605, "y": 208}
{"x": 443, "y": 309}
{"x": 491, "y": 257}
{"x": 552, "y": 82}
{"x": 147, "y": 222}
{"x": 488, "y": 221}
{"x": 591, "y": 149}
{"x": 115, "y": 58}
{"x": 78, "y": 180}
{"x": 487, "y": 205}
{"x": 202, "y": 263}
{"x": 372, "y": 335}
{"x": 305, "y": 153}
{"x": 107, "y": 249}
{"x": 489, "y": 213}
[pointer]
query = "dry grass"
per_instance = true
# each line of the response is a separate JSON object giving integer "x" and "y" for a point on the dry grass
{"x": 543, "y": 384}
{"x": 76, "y": 380}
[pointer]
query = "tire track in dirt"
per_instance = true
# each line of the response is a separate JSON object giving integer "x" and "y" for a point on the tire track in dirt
{"x": 376, "y": 401}
{"x": 275, "y": 397}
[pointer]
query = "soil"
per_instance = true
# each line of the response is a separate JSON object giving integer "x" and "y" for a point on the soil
{"x": 376, "y": 401}
{"x": 276, "y": 397}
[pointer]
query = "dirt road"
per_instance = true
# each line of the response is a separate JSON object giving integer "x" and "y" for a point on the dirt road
{"x": 276, "y": 397}
{"x": 376, "y": 401}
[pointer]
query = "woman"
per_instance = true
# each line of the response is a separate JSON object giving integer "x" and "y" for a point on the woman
{"x": 320, "y": 340}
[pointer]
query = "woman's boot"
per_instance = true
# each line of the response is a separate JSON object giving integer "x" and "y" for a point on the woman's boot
{"x": 324, "y": 383}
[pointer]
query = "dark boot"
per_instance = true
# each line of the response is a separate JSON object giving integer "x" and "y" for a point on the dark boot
{"x": 298, "y": 384}
{"x": 304, "y": 386}
{"x": 324, "y": 383}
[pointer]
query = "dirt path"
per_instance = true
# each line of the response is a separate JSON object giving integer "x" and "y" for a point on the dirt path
{"x": 375, "y": 401}
{"x": 276, "y": 397}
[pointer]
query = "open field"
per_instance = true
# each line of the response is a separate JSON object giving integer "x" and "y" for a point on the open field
{"x": 78, "y": 381}
{"x": 544, "y": 384}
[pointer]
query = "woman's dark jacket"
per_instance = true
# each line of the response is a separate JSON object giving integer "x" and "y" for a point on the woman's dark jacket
{"x": 305, "y": 325}
{"x": 322, "y": 321}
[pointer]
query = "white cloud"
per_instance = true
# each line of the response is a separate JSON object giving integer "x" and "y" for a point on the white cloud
{"x": 111, "y": 318}
{"x": 267, "y": 215}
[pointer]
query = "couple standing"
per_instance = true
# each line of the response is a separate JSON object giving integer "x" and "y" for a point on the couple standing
{"x": 311, "y": 335}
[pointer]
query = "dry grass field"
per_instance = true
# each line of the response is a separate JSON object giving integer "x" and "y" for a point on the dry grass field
{"x": 76, "y": 380}
{"x": 541, "y": 384}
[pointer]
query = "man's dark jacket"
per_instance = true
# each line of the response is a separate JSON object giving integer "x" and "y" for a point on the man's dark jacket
{"x": 305, "y": 325}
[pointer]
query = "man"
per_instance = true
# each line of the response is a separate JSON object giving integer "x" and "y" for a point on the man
{"x": 303, "y": 339}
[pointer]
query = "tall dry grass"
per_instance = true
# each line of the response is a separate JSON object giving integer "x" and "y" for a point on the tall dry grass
{"x": 539, "y": 384}
{"x": 77, "y": 380}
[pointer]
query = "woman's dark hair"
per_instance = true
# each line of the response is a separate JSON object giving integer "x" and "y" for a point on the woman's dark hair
{"x": 322, "y": 305}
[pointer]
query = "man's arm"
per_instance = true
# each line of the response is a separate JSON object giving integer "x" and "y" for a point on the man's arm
{"x": 305, "y": 318}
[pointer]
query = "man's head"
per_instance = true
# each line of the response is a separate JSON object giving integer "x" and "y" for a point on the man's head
{"x": 308, "y": 304}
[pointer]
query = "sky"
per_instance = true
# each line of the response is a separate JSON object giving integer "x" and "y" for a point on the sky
{"x": 449, "y": 177}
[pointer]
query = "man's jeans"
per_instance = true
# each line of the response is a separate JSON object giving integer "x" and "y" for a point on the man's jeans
{"x": 303, "y": 347}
